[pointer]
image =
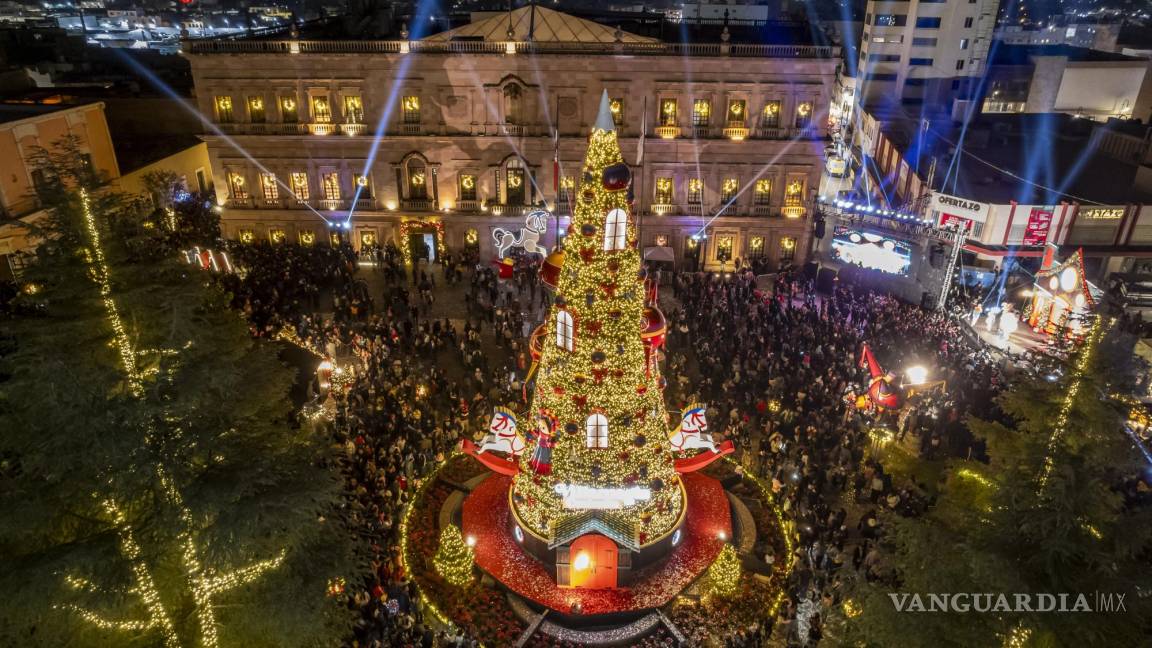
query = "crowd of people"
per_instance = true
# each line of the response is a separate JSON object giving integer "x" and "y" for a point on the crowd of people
{"x": 781, "y": 370}
{"x": 774, "y": 365}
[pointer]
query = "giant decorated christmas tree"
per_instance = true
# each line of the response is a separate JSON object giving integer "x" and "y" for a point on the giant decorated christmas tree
{"x": 597, "y": 429}
{"x": 596, "y": 489}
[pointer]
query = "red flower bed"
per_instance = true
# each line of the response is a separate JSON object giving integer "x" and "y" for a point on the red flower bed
{"x": 487, "y": 518}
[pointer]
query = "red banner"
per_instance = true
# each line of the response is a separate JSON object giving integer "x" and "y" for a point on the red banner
{"x": 948, "y": 221}
{"x": 1036, "y": 232}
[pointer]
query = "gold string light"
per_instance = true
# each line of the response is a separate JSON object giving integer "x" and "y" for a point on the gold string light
{"x": 204, "y": 584}
{"x": 1082, "y": 365}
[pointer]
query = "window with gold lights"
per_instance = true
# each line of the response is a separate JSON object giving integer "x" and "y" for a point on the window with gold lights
{"x": 256, "y": 109}
{"x": 268, "y": 187}
{"x": 763, "y": 192}
{"x": 756, "y": 247}
{"x": 617, "y": 107}
{"x": 363, "y": 186}
{"x": 724, "y": 249}
{"x": 417, "y": 179}
{"x": 695, "y": 191}
{"x": 701, "y": 112}
{"x": 277, "y": 235}
{"x": 307, "y": 237}
{"x": 668, "y": 112}
{"x": 246, "y": 235}
{"x": 663, "y": 191}
{"x": 353, "y": 109}
{"x": 787, "y": 249}
{"x": 728, "y": 189}
{"x": 223, "y": 105}
{"x": 567, "y": 189}
{"x": 794, "y": 193}
{"x": 367, "y": 238}
{"x": 737, "y": 111}
{"x": 289, "y": 110}
{"x": 331, "y": 183}
{"x": 411, "y": 112}
{"x": 515, "y": 183}
{"x": 804, "y": 114}
{"x": 321, "y": 110}
{"x": 772, "y": 114}
{"x": 299, "y": 183}
{"x": 467, "y": 186}
{"x": 237, "y": 185}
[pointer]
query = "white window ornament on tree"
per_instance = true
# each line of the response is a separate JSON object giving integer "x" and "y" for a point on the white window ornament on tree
{"x": 564, "y": 330}
{"x": 616, "y": 230}
{"x": 597, "y": 431}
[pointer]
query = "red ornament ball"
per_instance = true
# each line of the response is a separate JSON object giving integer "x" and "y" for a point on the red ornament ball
{"x": 616, "y": 177}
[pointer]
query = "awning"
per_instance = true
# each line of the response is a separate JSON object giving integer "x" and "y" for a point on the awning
{"x": 659, "y": 253}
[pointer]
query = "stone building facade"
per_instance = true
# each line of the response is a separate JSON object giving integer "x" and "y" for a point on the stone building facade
{"x": 440, "y": 141}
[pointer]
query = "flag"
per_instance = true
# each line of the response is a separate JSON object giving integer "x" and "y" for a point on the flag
{"x": 643, "y": 132}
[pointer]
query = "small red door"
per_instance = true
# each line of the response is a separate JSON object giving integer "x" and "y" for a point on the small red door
{"x": 593, "y": 560}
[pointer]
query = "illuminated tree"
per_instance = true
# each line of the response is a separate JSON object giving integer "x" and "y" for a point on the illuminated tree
{"x": 597, "y": 417}
{"x": 723, "y": 576}
{"x": 1047, "y": 514}
{"x": 454, "y": 558}
{"x": 152, "y": 491}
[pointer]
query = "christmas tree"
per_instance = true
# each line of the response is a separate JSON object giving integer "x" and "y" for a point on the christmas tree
{"x": 597, "y": 428}
{"x": 723, "y": 575}
{"x": 453, "y": 560}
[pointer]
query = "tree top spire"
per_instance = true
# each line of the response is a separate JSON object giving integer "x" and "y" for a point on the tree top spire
{"x": 604, "y": 117}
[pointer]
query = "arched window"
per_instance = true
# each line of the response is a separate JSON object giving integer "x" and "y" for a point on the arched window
{"x": 564, "y": 330}
{"x": 515, "y": 182}
{"x": 417, "y": 178}
{"x": 616, "y": 230}
{"x": 597, "y": 431}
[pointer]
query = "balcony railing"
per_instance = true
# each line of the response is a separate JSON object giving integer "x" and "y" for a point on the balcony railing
{"x": 761, "y": 210}
{"x": 468, "y": 206}
{"x": 661, "y": 209}
{"x": 694, "y": 209}
{"x": 353, "y": 129}
{"x": 667, "y": 132}
{"x": 264, "y": 129}
{"x": 359, "y": 47}
{"x": 410, "y": 129}
{"x": 417, "y": 204}
{"x": 701, "y": 132}
{"x": 736, "y": 131}
{"x": 773, "y": 132}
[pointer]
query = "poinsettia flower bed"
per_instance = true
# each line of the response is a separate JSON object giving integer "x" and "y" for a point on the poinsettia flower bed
{"x": 482, "y": 612}
{"x": 708, "y": 519}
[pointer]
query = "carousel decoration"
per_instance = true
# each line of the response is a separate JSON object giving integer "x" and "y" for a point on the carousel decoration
{"x": 1063, "y": 300}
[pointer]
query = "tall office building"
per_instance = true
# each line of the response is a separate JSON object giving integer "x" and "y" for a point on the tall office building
{"x": 923, "y": 51}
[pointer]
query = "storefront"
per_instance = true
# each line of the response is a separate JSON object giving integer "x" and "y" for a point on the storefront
{"x": 1063, "y": 300}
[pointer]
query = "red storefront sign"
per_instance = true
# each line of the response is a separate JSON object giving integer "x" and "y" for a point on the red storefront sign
{"x": 1036, "y": 232}
{"x": 950, "y": 221}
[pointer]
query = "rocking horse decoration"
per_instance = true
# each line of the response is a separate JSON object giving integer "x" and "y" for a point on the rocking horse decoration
{"x": 693, "y": 431}
{"x": 503, "y": 435}
{"x": 693, "y": 434}
{"x": 535, "y": 224}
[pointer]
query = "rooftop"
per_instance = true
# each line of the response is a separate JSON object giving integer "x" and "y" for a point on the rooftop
{"x": 1023, "y": 54}
{"x": 1028, "y": 158}
{"x": 541, "y": 30}
{"x": 14, "y": 111}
